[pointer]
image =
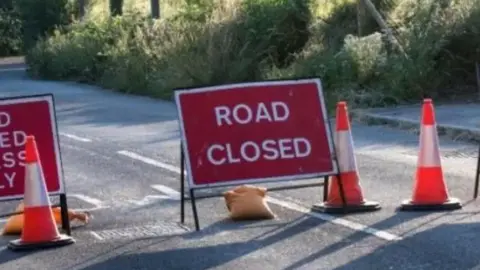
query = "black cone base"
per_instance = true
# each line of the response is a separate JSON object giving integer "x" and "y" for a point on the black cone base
{"x": 451, "y": 204}
{"x": 367, "y": 206}
{"x": 19, "y": 245}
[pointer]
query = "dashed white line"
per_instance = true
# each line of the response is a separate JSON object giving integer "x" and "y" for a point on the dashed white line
{"x": 170, "y": 192}
{"x": 149, "y": 199}
{"x": 94, "y": 234}
{"x": 150, "y": 161}
{"x": 292, "y": 206}
{"x": 75, "y": 137}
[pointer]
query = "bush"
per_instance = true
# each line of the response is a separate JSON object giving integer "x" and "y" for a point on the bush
{"x": 40, "y": 18}
{"x": 277, "y": 28}
{"x": 438, "y": 38}
{"x": 220, "y": 41}
{"x": 11, "y": 29}
{"x": 134, "y": 54}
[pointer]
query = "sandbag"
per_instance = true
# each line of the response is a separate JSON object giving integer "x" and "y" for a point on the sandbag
{"x": 14, "y": 224}
{"x": 248, "y": 202}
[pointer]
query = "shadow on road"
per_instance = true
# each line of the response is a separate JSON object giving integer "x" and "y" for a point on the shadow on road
{"x": 357, "y": 236}
{"x": 207, "y": 256}
{"x": 404, "y": 250}
{"x": 211, "y": 255}
{"x": 7, "y": 255}
{"x": 447, "y": 246}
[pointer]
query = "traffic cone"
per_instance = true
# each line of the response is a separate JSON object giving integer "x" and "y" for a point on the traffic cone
{"x": 430, "y": 190}
{"x": 39, "y": 228}
{"x": 348, "y": 173}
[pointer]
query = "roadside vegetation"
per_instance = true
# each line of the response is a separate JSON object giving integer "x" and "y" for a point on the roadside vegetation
{"x": 199, "y": 42}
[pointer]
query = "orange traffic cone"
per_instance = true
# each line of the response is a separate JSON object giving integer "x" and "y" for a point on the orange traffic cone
{"x": 39, "y": 228}
{"x": 430, "y": 190}
{"x": 348, "y": 179}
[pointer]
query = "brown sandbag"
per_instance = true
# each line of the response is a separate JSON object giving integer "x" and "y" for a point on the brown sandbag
{"x": 14, "y": 224}
{"x": 248, "y": 202}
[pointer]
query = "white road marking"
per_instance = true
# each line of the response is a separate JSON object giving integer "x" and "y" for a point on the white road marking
{"x": 158, "y": 229}
{"x": 170, "y": 192}
{"x": 150, "y": 161}
{"x": 95, "y": 202}
{"x": 94, "y": 234}
{"x": 75, "y": 137}
{"x": 3, "y": 220}
{"x": 339, "y": 221}
{"x": 295, "y": 207}
{"x": 149, "y": 199}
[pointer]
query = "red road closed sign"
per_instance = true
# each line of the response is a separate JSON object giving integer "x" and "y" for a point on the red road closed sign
{"x": 19, "y": 117}
{"x": 255, "y": 132}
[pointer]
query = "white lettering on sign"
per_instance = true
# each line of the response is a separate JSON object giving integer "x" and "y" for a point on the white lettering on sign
{"x": 250, "y": 151}
{"x": 11, "y": 158}
{"x": 9, "y": 177}
{"x": 256, "y": 151}
{"x": 16, "y": 138}
{"x": 4, "y": 119}
{"x": 242, "y": 114}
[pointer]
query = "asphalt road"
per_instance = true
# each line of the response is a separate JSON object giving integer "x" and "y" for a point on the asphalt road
{"x": 121, "y": 159}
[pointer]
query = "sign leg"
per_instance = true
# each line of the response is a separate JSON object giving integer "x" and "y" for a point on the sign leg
{"x": 477, "y": 175}
{"x": 64, "y": 213}
{"x": 194, "y": 209}
{"x": 182, "y": 185}
{"x": 326, "y": 180}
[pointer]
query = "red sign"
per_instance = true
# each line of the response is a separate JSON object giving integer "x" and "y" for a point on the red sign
{"x": 255, "y": 132}
{"x": 19, "y": 117}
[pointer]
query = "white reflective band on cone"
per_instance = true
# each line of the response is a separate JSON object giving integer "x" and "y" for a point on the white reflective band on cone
{"x": 35, "y": 189}
{"x": 429, "y": 155}
{"x": 344, "y": 149}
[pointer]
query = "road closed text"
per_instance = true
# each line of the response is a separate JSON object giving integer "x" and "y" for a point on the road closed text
{"x": 253, "y": 150}
{"x": 250, "y": 151}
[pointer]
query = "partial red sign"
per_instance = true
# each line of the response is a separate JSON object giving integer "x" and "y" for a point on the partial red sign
{"x": 255, "y": 132}
{"x": 19, "y": 117}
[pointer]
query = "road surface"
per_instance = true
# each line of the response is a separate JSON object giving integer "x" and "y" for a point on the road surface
{"x": 121, "y": 161}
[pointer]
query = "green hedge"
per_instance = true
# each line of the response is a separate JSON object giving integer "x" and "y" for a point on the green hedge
{"x": 440, "y": 39}
{"x": 249, "y": 40}
{"x": 135, "y": 54}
